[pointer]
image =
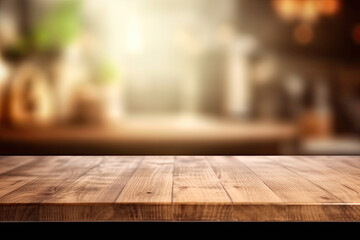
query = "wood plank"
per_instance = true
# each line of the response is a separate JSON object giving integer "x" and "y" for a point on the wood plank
{"x": 76, "y": 212}
{"x": 343, "y": 172}
{"x": 338, "y": 163}
{"x": 101, "y": 184}
{"x": 152, "y": 182}
{"x": 19, "y": 212}
{"x": 195, "y": 181}
{"x": 55, "y": 180}
{"x": 296, "y": 212}
{"x": 135, "y": 212}
{"x": 341, "y": 185}
{"x": 204, "y": 211}
{"x": 289, "y": 186}
{"x": 241, "y": 184}
{"x": 40, "y": 167}
{"x": 336, "y": 166}
{"x": 106, "y": 212}
{"x": 11, "y": 183}
{"x": 353, "y": 161}
{"x": 196, "y": 212}
{"x": 143, "y": 212}
{"x": 10, "y": 163}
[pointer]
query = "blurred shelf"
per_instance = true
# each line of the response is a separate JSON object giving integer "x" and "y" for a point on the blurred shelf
{"x": 333, "y": 146}
{"x": 152, "y": 136}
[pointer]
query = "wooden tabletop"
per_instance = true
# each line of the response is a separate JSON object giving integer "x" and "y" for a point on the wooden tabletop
{"x": 179, "y": 188}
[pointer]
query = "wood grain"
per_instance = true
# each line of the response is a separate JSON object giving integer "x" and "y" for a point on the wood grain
{"x": 53, "y": 179}
{"x": 12, "y": 162}
{"x": 11, "y": 183}
{"x": 101, "y": 184}
{"x": 152, "y": 182}
{"x": 297, "y": 212}
{"x": 46, "y": 165}
{"x": 289, "y": 186}
{"x": 19, "y": 212}
{"x": 338, "y": 164}
{"x": 180, "y": 188}
{"x": 195, "y": 181}
{"x": 343, "y": 186}
{"x": 241, "y": 184}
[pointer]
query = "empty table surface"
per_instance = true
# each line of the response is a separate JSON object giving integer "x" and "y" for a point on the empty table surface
{"x": 179, "y": 188}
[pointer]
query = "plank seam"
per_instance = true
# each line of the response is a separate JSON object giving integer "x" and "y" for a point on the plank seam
{"x": 219, "y": 180}
{"x": 74, "y": 180}
{"x": 238, "y": 160}
{"x": 131, "y": 175}
{"x": 172, "y": 182}
{"x": 36, "y": 178}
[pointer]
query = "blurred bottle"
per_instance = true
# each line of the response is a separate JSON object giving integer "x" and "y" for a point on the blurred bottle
{"x": 31, "y": 97}
{"x": 294, "y": 87}
{"x": 238, "y": 88}
{"x": 4, "y": 73}
{"x": 318, "y": 122}
{"x": 266, "y": 90}
{"x": 69, "y": 73}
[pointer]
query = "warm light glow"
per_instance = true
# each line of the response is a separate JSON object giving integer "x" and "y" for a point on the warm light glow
{"x": 356, "y": 34}
{"x": 226, "y": 33}
{"x": 309, "y": 11}
{"x": 306, "y": 10}
{"x": 287, "y": 9}
{"x": 329, "y": 7}
{"x": 134, "y": 41}
{"x": 304, "y": 34}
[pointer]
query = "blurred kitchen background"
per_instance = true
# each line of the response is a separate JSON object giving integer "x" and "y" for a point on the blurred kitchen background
{"x": 179, "y": 77}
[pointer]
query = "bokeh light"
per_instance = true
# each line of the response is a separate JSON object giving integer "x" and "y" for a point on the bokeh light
{"x": 304, "y": 34}
{"x": 329, "y": 7}
{"x": 287, "y": 9}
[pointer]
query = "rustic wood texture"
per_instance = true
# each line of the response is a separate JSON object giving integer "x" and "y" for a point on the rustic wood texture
{"x": 101, "y": 184}
{"x": 240, "y": 182}
{"x": 180, "y": 188}
{"x": 152, "y": 182}
{"x": 288, "y": 185}
{"x": 195, "y": 181}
